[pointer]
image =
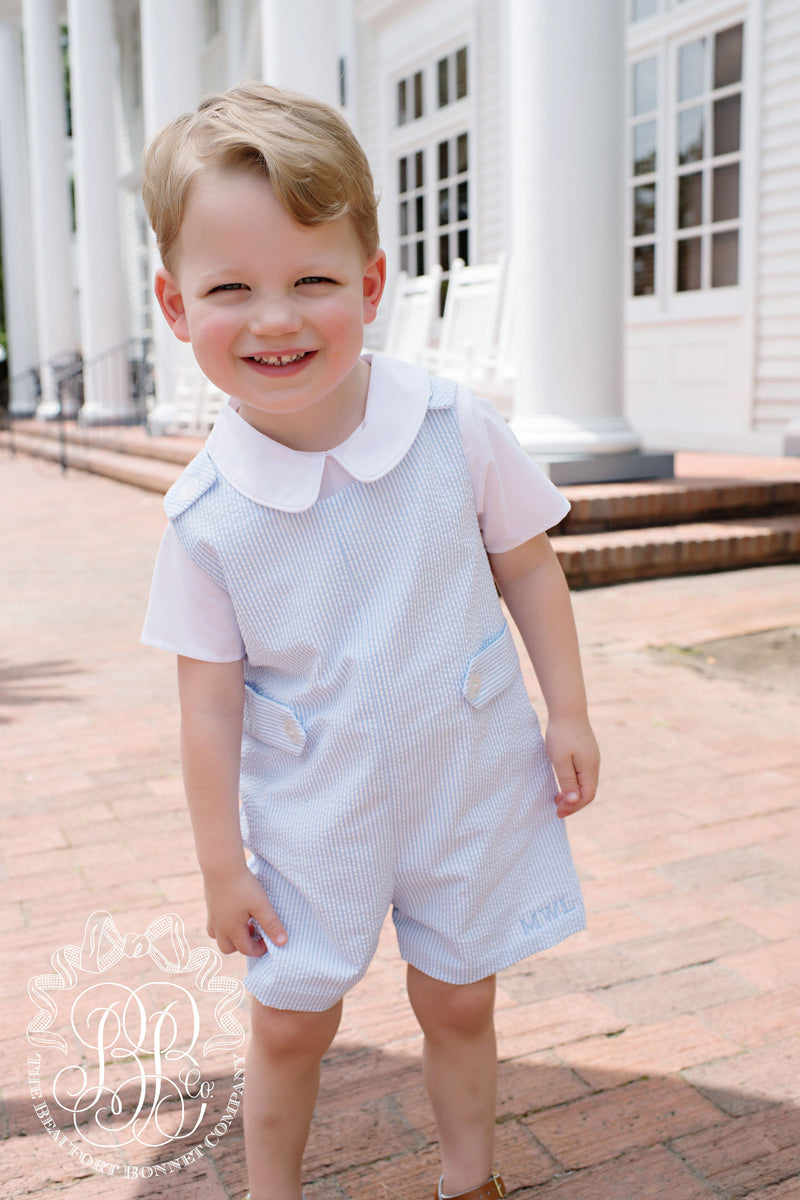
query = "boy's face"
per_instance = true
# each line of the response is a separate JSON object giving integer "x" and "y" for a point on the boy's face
{"x": 274, "y": 310}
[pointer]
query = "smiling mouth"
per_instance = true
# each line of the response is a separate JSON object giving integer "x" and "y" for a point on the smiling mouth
{"x": 279, "y": 360}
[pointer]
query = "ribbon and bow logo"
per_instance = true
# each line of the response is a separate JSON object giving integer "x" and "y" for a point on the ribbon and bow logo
{"x": 138, "y": 1076}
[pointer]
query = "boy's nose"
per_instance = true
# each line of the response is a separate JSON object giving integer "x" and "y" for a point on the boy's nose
{"x": 275, "y": 316}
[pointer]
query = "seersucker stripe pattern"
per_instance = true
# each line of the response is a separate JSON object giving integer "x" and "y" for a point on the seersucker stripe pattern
{"x": 390, "y": 756}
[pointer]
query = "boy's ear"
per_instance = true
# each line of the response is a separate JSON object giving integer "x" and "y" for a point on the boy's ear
{"x": 374, "y": 283}
{"x": 171, "y": 303}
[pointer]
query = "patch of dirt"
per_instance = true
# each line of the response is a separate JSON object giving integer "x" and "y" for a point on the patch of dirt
{"x": 770, "y": 659}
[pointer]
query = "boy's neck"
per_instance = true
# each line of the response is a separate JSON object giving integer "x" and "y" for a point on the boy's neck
{"x": 326, "y": 425}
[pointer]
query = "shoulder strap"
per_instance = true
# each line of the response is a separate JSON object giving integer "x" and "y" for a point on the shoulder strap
{"x": 443, "y": 393}
{"x": 199, "y": 476}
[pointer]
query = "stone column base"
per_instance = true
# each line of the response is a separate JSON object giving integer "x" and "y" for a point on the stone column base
{"x": 568, "y": 470}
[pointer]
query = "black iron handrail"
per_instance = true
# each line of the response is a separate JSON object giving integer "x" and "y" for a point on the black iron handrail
{"x": 67, "y": 385}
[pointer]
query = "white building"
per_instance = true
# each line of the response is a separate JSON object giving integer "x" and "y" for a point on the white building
{"x": 657, "y": 199}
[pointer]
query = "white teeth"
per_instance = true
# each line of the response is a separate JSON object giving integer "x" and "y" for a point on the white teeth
{"x": 277, "y": 360}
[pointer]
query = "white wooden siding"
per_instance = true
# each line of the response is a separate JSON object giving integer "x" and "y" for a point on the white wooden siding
{"x": 777, "y": 361}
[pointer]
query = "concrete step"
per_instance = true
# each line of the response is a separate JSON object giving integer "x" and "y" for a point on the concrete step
{"x": 614, "y": 532}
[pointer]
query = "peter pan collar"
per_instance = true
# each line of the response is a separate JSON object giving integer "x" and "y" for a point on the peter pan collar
{"x": 273, "y": 475}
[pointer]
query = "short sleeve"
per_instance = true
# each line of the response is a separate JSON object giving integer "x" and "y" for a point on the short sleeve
{"x": 514, "y": 499}
{"x": 189, "y": 613}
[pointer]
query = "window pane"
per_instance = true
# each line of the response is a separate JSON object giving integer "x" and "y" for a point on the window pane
{"x": 461, "y": 73}
{"x": 726, "y": 192}
{"x": 402, "y": 116}
{"x": 690, "y": 135}
{"x": 727, "y": 117}
{"x": 645, "y": 86}
{"x": 444, "y": 252}
{"x": 690, "y": 69}
{"x": 420, "y": 207}
{"x": 728, "y": 56}
{"x": 419, "y": 168}
{"x": 644, "y": 267}
{"x": 420, "y": 258}
{"x": 404, "y": 218}
{"x": 644, "y": 209}
{"x": 689, "y": 265}
{"x": 444, "y": 156}
{"x": 418, "y": 94}
{"x": 463, "y": 244}
{"x": 444, "y": 206}
{"x": 690, "y": 200}
{"x": 463, "y": 201}
{"x": 441, "y": 71}
{"x": 644, "y": 147}
{"x": 404, "y": 257}
{"x": 403, "y": 180}
{"x": 725, "y": 259}
{"x": 461, "y": 153}
{"x": 644, "y": 8}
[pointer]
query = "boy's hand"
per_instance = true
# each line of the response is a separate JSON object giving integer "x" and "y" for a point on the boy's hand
{"x": 572, "y": 749}
{"x": 235, "y": 904}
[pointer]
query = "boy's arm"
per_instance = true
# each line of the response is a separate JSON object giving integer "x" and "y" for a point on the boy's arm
{"x": 212, "y": 704}
{"x": 533, "y": 586}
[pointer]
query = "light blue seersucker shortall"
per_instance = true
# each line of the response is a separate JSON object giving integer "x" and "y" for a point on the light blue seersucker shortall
{"x": 390, "y": 755}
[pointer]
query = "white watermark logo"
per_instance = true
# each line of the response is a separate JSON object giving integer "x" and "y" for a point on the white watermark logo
{"x": 126, "y": 1062}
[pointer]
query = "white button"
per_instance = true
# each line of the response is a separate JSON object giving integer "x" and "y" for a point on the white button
{"x": 473, "y": 685}
{"x": 291, "y": 730}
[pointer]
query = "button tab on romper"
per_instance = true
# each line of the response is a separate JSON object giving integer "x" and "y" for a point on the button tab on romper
{"x": 291, "y": 730}
{"x": 474, "y": 685}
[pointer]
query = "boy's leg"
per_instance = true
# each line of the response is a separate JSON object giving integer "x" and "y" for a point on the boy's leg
{"x": 460, "y": 1067}
{"x": 281, "y": 1085}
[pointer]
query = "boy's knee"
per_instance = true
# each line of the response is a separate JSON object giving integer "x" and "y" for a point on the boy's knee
{"x": 283, "y": 1033}
{"x": 460, "y": 1009}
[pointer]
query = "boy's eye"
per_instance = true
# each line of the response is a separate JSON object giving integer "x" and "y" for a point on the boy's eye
{"x": 227, "y": 287}
{"x": 313, "y": 279}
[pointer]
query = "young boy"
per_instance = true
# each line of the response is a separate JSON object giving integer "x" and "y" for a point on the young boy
{"x": 344, "y": 664}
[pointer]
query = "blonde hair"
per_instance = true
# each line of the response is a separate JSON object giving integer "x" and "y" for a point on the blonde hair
{"x": 304, "y": 147}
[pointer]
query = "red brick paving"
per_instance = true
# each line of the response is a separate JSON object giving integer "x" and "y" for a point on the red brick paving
{"x": 655, "y": 1055}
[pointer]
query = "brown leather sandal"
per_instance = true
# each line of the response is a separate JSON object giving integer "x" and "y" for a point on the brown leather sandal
{"x": 490, "y": 1190}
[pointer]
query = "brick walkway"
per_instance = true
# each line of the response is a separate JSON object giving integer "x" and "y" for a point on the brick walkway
{"x": 654, "y": 1056}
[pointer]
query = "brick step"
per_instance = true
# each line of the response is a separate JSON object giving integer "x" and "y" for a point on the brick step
{"x": 122, "y": 439}
{"x": 600, "y": 507}
{"x": 621, "y": 555}
{"x": 595, "y": 507}
{"x": 150, "y": 474}
{"x": 759, "y": 522}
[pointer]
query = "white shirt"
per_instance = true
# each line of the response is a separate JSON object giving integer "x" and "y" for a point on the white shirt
{"x": 189, "y": 614}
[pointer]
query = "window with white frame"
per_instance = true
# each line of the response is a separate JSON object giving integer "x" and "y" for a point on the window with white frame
{"x": 433, "y": 155}
{"x": 411, "y": 195}
{"x": 685, "y": 163}
{"x": 708, "y": 116}
{"x": 644, "y": 142}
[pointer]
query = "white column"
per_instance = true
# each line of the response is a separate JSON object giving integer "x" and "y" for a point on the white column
{"x": 235, "y": 42}
{"x": 106, "y": 379}
{"x": 50, "y": 207}
{"x": 299, "y": 44}
{"x": 567, "y": 104}
{"x": 20, "y": 306}
{"x": 171, "y": 86}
